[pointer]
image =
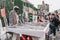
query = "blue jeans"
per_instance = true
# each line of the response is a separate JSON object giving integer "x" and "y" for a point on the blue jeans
{"x": 57, "y": 28}
{"x": 52, "y": 30}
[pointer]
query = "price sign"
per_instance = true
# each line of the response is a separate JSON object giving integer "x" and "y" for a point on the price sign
{"x": 3, "y": 12}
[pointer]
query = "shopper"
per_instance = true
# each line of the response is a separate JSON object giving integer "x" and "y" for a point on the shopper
{"x": 39, "y": 20}
{"x": 48, "y": 16}
{"x": 13, "y": 19}
{"x": 53, "y": 25}
{"x": 57, "y": 17}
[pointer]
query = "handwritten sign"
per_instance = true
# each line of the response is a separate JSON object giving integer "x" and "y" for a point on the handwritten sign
{"x": 3, "y": 12}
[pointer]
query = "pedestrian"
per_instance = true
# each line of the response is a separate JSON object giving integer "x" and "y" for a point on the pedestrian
{"x": 48, "y": 16}
{"x": 53, "y": 25}
{"x": 57, "y": 17}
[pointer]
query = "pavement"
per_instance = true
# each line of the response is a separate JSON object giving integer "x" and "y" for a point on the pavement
{"x": 57, "y": 36}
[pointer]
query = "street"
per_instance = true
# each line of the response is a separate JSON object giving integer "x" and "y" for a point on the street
{"x": 57, "y": 36}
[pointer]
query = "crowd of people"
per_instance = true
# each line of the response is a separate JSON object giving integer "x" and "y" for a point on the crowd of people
{"x": 53, "y": 19}
{"x": 13, "y": 21}
{"x": 54, "y": 23}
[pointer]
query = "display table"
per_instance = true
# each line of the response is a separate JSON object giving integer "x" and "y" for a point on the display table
{"x": 37, "y": 30}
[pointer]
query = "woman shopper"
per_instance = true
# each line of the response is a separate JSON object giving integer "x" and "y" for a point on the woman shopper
{"x": 39, "y": 20}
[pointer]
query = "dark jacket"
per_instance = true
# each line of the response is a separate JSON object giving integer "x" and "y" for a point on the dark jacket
{"x": 51, "y": 23}
{"x": 54, "y": 21}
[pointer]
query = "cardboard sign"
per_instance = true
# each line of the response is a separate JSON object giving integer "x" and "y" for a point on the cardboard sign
{"x": 3, "y": 12}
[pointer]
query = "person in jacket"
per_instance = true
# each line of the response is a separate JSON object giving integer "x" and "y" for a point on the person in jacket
{"x": 53, "y": 25}
{"x": 13, "y": 19}
{"x": 57, "y": 17}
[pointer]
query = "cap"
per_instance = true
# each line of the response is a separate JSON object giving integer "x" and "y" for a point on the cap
{"x": 15, "y": 7}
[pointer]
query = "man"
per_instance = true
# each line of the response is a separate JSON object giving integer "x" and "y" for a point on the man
{"x": 53, "y": 25}
{"x": 13, "y": 20}
{"x": 57, "y": 17}
{"x": 13, "y": 17}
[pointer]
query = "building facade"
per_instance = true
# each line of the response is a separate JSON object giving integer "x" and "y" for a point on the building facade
{"x": 29, "y": 10}
{"x": 43, "y": 8}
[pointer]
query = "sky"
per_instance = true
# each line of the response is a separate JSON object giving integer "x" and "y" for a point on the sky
{"x": 53, "y": 4}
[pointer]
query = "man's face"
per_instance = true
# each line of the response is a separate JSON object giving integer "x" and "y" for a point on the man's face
{"x": 50, "y": 16}
{"x": 17, "y": 10}
{"x": 53, "y": 16}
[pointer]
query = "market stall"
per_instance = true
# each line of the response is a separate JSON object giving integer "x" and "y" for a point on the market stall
{"x": 36, "y": 30}
{"x": 2, "y": 32}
